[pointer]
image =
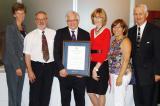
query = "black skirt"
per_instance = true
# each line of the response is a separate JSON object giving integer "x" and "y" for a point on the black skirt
{"x": 100, "y": 86}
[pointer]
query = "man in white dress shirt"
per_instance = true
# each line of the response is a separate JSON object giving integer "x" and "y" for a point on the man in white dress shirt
{"x": 38, "y": 50}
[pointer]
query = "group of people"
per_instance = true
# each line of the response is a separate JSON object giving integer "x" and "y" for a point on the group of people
{"x": 115, "y": 60}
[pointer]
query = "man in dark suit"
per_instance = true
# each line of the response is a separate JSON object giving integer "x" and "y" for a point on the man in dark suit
{"x": 145, "y": 39}
{"x": 67, "y": 82}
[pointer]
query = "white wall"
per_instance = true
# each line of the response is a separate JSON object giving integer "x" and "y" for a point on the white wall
{"x": 57, "y": 9}
{"x": 114, "y": 9}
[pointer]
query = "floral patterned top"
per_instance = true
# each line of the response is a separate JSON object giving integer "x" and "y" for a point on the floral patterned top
{"x": 115, "y": 57}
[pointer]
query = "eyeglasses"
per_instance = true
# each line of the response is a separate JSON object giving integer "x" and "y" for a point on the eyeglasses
{"x": 75, "y": 20}
{"x": 98, "y": 18}
{"x": 43, "y": 19}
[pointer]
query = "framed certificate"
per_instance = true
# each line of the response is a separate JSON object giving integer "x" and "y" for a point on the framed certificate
{"x": 76, "y": 57}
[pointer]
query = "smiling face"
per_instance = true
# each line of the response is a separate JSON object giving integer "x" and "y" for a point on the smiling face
{"x": 19, "y": 15}
{"x": 140, "y": 15}
{"x": 41, "y": 21}
{"x": 98, "y": 20}
{"x": 118, "y": 30}
{"x": 99, "y": 17}
{"x": 72, "y": 21}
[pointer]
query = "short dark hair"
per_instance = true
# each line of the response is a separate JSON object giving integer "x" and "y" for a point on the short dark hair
{"x": 122, "y": 24}
{"x": 18, "y": 6}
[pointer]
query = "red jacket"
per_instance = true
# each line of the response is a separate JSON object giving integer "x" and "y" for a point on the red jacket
{"x": 102, "y": 43}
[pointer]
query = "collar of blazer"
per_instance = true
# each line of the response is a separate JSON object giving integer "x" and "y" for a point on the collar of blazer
{"x": 20, "y": 36}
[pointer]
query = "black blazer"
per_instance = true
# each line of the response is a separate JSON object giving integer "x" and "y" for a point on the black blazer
{"x": 148, "y": 62}
{"x": 64, "y": 34}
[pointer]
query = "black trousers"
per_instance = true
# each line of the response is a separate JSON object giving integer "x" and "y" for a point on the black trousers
{"x": 144, "y": 95}
{"x": 40, "y": 90}
{"x": 77, "y": 85}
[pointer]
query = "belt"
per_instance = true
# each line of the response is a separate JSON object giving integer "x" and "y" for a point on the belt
{"x": 41, "y": 63}
{"x": 96, "y": 51}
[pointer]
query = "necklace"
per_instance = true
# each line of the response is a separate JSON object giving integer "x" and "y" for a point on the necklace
{"x": 97, "y": 31}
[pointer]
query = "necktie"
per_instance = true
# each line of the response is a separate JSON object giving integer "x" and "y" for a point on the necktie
{"x": 45, "y": 47}
{"x": 138, "y": 37}
{"x": 73, "y": 35}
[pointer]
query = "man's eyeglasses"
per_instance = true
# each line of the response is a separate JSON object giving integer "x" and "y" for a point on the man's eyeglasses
{"x": 43, "y": 19}
{"x": 75, "y": 20}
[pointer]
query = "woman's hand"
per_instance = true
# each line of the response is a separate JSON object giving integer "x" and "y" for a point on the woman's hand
{"x": 95, "y": 75}
{"x": 19, "y": 72}
{"x": 119, "y": 81}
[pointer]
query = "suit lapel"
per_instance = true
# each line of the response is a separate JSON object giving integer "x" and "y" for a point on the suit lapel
{"x": 78, "y": 34}
{"x": 144, "y": 34}
{"x": 68, "y": 34}
{"x": 18, "y": 32}
{"x": 135, "y": 36}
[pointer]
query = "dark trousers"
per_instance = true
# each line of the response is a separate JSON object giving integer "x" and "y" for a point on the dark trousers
{"x": 40, "y": 90}
{"x": 78, "y": 86}
{"x": 144, "y": 95}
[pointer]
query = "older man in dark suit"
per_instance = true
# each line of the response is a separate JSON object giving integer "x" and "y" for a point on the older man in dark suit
{"x": 67, "y": 83}
{"x": 145, "y": 39}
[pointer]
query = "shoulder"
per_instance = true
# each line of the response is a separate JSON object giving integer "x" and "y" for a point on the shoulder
{"x": 126, "y": 42}
{"x": 132, "y": 28}
{"x": 82, "y": 30}
{"x": 92, "y": 30}
{"x": 11, "y": 27}
{"x": 31, "y": 34}
{"x": 62, "y": 29}
{"x": 106, "y": 29}
{"x": 132, "y": 31}
{"x": 51, "y": 30}
{"x": 152, "y": 26}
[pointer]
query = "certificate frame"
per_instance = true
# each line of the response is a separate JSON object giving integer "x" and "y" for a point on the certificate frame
{"x": 86, "y": 59}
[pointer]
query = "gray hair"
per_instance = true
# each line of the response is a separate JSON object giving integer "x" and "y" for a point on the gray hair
{"x": 143, "y": 6}
{"x": 73, "y": 12}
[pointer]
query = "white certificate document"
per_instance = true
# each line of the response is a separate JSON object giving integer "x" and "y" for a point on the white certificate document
{"x": 76, "y": 58}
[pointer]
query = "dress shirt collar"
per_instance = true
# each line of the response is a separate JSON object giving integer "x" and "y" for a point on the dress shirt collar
{"x": 75, "y": 32}
{"x": 141, "y": 28}
{"x": 40, "y": 31}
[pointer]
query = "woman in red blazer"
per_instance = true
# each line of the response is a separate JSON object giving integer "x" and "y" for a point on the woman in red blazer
{"x": 97, "y": 83}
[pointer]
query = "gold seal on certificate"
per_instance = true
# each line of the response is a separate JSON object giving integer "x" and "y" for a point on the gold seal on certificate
{"x": 76, "y": 57}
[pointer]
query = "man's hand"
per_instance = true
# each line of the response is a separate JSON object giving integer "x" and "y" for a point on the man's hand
{"x": 63, "y": 73}
{"x": 157, "y": 78}
{"x": 31, "y": 76}
{"x": 19, "y": 72}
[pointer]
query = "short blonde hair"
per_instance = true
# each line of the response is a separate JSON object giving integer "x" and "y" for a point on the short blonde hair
{"x": 101, "y": 13}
